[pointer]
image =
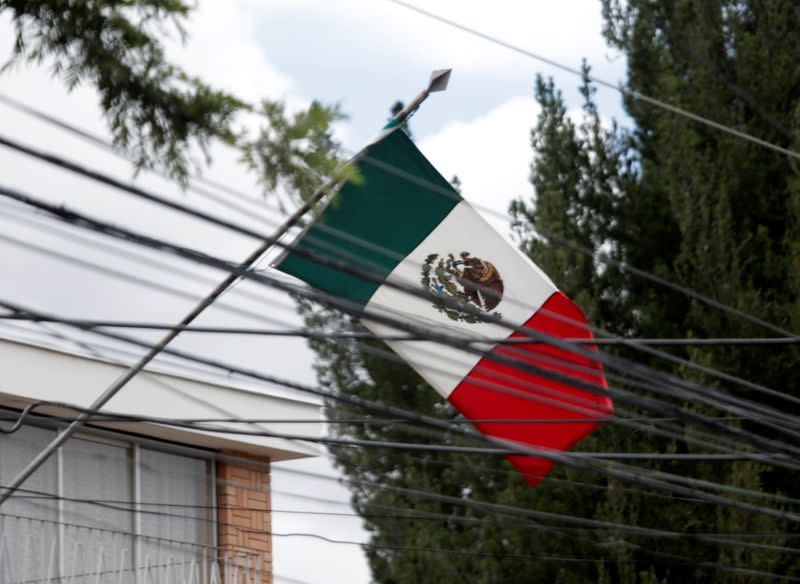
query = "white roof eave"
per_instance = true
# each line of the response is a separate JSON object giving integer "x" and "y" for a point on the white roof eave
{"x": 31, "y": 373}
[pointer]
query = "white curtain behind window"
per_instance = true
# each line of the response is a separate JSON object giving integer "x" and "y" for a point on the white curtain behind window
{"x": 90, "y": 540}
{"x": 28, "y": 530}
{"x": 177, "y": 532}
{"x": 99, "y": 535}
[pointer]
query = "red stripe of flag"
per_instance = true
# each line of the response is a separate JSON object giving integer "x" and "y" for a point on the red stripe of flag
{"x": 477, "y": 396}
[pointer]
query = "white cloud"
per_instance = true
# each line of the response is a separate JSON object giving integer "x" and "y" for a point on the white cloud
{"x": 570, "y": 28}
{"x": 223, "y": 48}
{"x": 490, "y": 154}
{"x": 332, "y": 562}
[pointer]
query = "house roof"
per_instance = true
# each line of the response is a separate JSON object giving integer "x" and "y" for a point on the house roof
{"x": 31, "y": 372}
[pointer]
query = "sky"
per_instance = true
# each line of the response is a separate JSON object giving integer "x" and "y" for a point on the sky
{"x": 361, "y": 55}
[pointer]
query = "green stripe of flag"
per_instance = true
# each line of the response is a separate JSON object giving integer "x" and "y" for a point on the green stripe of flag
{"x": 386, "y": 209}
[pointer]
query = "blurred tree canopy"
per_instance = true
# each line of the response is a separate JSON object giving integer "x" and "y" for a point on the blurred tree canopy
{"x": 160, "y": 115}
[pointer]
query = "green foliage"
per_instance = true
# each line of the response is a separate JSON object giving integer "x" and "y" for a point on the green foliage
{"x": 396, "y": 108}
{"x": 295, "y": 151}
{"x": 160, "y": 115}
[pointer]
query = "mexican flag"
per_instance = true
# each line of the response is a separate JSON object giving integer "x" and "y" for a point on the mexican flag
{"x": 405, "y": 223}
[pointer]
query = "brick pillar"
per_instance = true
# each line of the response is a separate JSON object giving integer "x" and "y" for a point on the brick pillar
{"x": 243, "y": 512}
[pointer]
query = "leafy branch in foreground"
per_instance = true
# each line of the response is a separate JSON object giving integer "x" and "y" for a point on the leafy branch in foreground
{"x": 160, "y": 115}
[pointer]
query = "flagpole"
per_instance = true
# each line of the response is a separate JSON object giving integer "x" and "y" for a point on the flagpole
{"x": 437, "y": 82}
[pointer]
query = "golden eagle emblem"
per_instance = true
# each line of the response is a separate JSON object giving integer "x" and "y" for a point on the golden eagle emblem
{"x": 462, "y": 280}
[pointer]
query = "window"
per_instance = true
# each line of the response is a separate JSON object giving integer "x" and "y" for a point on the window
{"x": 128, "y": 511}
{"x": 168, "y": 481}
{"x": 28, "y": 524}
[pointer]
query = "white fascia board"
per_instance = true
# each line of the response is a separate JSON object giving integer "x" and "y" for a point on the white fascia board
{"x": 30, "y": 373}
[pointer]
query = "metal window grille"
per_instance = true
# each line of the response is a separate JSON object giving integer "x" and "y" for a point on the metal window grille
{"x": 158, "y": 526}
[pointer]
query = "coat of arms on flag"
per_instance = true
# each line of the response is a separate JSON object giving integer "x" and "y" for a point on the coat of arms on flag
{"x": 405, "y": 223}
{"x": 462, "y": 280}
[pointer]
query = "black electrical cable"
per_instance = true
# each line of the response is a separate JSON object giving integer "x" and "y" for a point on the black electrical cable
{"x": 91, "y": 323}
{"x": 498, "y": 518}
{"x": 392, "y": 356}
{"x": 65, "y": 232}
{"x": 99, "y": 141}
{"x": 312, "y": 335}
{"x": 96, "y": 140}
{"x": 107, "y": 416}
{"x": 550, "y": 235}
{"x": 501, "y": 515}
{"x": 199, "y": 257}
{"x": 104, "y": 416}
{"x": 434, "y": 188}
{"x": 599, "y": 81}
{"x": 101, "y": 418}
{"x": 222, "y": 265}
{"x": 82, "y": 263}
{"x": 438, "y": 189}
{"x": 334, "y": 479}
{"x": 346, "y": 268}
{"x": 155, "y": 198}
{"x": 618, "y": 471}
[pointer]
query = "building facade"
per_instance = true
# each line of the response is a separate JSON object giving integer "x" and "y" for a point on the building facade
{"x": 138, "y": 502}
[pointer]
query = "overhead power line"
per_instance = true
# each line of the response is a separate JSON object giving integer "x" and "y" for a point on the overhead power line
{"x": 49, "y": 419}
{"x": 665, "y": 557}
{"x": 346, "y": 268}
{"x": 258, "y": 315}
{"x": 624, "y": 397}
{"x": 221, "y": 266}
{"x": 109, "y": 416}
{"x": 598, "y": 80}
{"x": 630, "y": 343}
{"x": 252, "y": 211}
{"x": 751, "y": 384}
{"x": 401, "y": 512}
{"x": 599, "y": 256}
{"x": 99, "y": 141}
{"x": 655, "y": 480}
{"x": 378, "y": 407}
{"x": 110, "y": 271}
{"x": 99, "y": 415}
{"x": 500, "y": 515}
{"x": 90, "y": 324}
{"x": 383, "y": 354}
{"x": 265, "y": 244}
{"x": 434, "y": 188}
{"x": 646, "y": 424}
{"x": 327, "y": 539}
{"x": 626, "y": 420}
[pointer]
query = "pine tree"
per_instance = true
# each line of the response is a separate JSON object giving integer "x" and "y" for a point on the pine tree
{"x": 695, "y": 206}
